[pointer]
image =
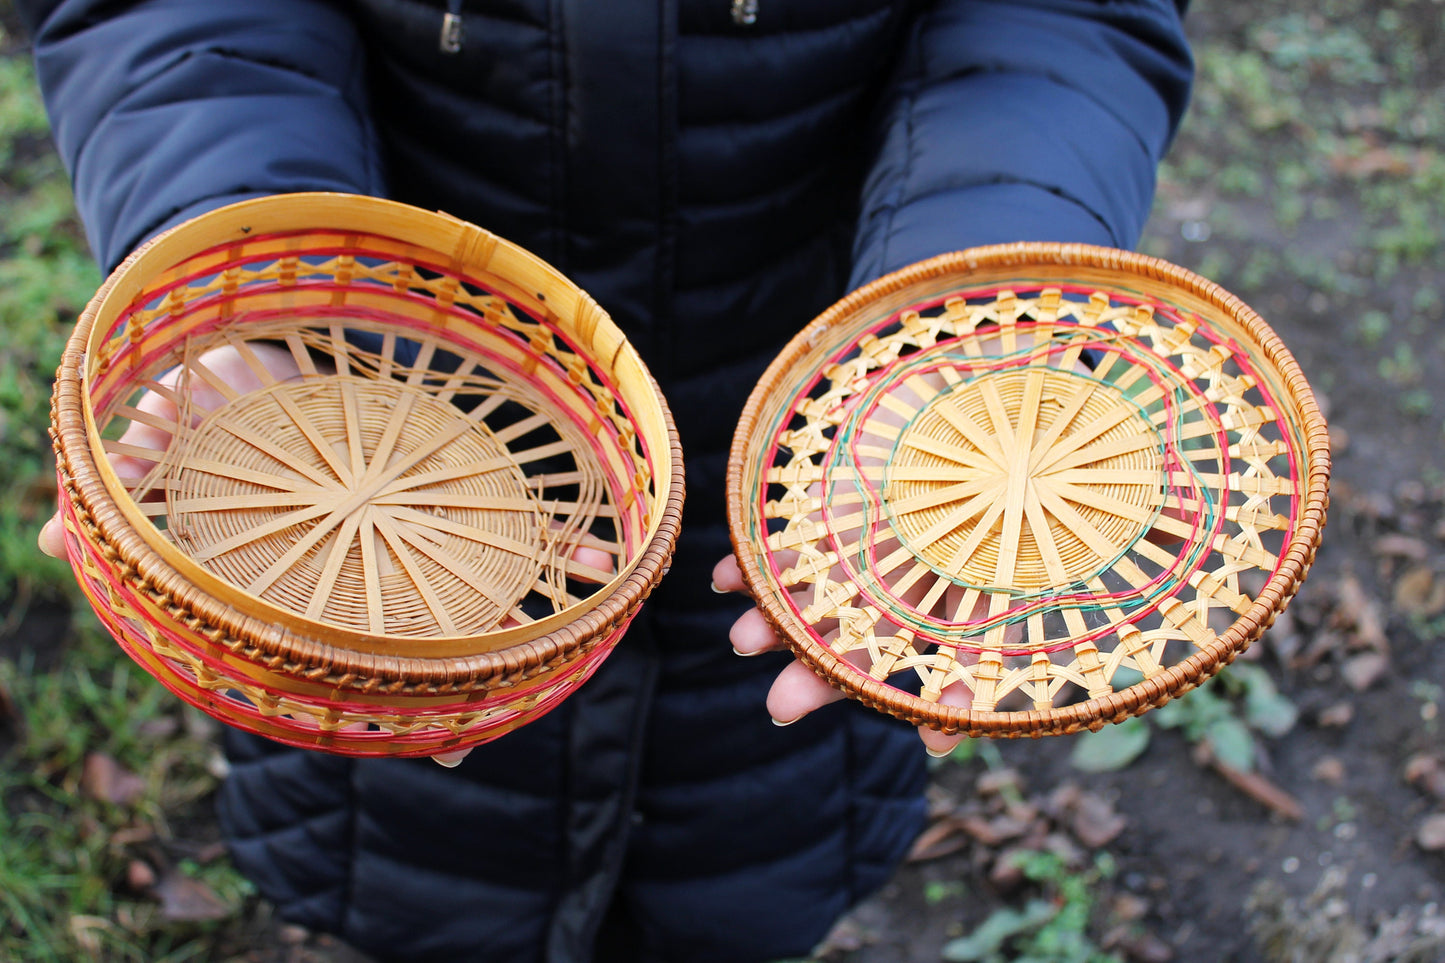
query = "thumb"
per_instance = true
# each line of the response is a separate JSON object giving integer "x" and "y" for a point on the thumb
{"x": 52, "y": 538}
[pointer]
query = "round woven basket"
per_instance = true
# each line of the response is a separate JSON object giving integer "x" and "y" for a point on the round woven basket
{"x": 1028, "y": 489}
{"x": 360, "y": 477}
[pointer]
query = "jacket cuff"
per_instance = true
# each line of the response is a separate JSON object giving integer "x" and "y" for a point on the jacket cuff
{"x": 987, "y": 214}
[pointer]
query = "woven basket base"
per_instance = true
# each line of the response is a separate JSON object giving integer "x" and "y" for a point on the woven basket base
{"x": 341, "y": 482}
{"x": 950, "y": 480}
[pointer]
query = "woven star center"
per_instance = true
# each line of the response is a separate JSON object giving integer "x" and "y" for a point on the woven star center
{"x": 1025, "y": 480}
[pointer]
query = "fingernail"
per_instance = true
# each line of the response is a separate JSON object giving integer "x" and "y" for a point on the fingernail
{"x": 939, "y": 753}
{"x": 788, "y": 723}
{"x": 747, "y": 655}
{"x": 449, "y": 763}
{"x": 713, "y": 586}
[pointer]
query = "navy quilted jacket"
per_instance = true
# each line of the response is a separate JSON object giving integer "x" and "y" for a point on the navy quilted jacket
{"x": 714, "y": 172}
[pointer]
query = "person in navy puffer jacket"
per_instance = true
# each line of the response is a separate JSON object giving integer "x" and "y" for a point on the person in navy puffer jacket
{"x": 714, "y": 173}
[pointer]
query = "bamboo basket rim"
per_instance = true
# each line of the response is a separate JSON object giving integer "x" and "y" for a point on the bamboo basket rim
{"x": 1094, "y": 713}
{"x": 275, "y": 632}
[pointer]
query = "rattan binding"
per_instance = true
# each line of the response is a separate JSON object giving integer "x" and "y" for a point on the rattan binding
{"x": 1028, "y": 489}
{"x": 392, "y": 485}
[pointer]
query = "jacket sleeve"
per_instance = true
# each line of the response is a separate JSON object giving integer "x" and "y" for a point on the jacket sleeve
{"x": 163, "y": 109}
{"x": 1010, "y": 120}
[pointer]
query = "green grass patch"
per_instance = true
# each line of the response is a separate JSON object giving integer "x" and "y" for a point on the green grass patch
{"x": 71, "y": 840}
{"x": 46, "y": 277}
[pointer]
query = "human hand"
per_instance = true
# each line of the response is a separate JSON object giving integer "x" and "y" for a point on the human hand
{"x": 227, "y": 366}
{"x": 798, "y": 690}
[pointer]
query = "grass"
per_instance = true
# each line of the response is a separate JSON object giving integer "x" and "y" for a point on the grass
{"x": 67, "y": 845}
{"x": 65, "y": 850}
{"x": 46, "y": 277}
{"x": 1323, "y": 115}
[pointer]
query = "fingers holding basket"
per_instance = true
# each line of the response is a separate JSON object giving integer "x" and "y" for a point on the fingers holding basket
{"x": 200, "y": 386}
{"x": 798, "y": 690}
{"x": 751, "y": 634}
{"x": 52, "y": 537}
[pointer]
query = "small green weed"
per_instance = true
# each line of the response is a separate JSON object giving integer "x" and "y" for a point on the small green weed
{"x": 1402, "y": 367}
{"x": 1304, "y": 45}
{"x": 1372, "y": 327}
{"x": 1240, "y": 705}
{"x": 1050, "y": 928}
{"x": 937, "y": 891}
{"x": 1416, "y": 403}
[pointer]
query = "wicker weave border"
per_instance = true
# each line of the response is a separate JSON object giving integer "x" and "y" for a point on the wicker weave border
{"x": 1002, "y": 265}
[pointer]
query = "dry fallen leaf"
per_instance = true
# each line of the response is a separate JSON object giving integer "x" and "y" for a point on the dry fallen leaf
{"x": 1356, "y": 610}
{"x": 1094, "y": 821}
{"x": 997, "y": 830}
{"x": 942, "y": 838}
{"x": 105, "y": 779}
{"x": 290, "y": 934}
{"x": 140, "y": 876}
{"x": 186, "y": 899}
{"x": 1428, "y": 773}
{"x": 1138, "y": 947}
{"x": 86, "y": 930}
{"x": 1006, "y": 874}
{"x": 1402, "y": 546}
{"x": 999, "y": 780}
{"x": 847, "y": 936}
{"x": 1365, "y": 669}
{"x": 1330, "y": 770}
{"x": 1389, "y": 161}
{"x": 132, "y": 834}
{"x": 1128, "y": 907}
{"x": 1419, "y": 592}
{"x": 1336, "y": 716}
{"x": 1325, "y": 642}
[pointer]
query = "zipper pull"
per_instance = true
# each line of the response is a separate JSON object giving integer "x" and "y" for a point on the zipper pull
{"x": 452, "y": 34}
{"x": 745, "y": 12}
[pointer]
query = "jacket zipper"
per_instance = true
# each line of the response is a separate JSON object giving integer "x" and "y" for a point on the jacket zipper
{"x": 452, "y": 35}
{"x": 745, "y": 12}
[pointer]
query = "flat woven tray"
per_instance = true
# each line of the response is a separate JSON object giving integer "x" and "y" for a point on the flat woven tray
{"x": 1028, "y": 489}
{"x": 358, "y": 476}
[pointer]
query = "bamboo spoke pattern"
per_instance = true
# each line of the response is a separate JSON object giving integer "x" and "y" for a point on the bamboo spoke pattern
{"x": 374, "y": 505}
{"x": 1029, "y": 496}
{"x": 420, "y": 504}
{"x": 939, "y": 520}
